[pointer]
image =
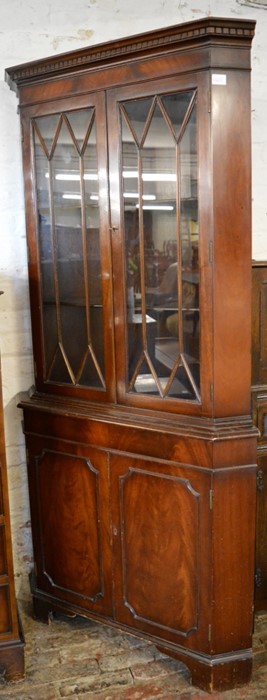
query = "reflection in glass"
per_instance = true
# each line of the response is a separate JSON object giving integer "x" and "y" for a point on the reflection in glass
{"x": 68, "y": 214}
{"x": 159, "y": 187}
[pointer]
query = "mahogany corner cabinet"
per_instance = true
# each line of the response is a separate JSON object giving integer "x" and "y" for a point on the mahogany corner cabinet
{"x": 140, "y": 444}
{"x": 11, "y": 636}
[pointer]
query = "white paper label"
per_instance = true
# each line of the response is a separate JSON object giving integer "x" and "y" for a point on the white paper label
{"x": 219, "y": 79}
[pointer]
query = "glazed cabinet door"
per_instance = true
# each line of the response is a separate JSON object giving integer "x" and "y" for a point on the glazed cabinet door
{"x": 160, "y": 240}
{"x": 161, "y": 522}
{"x": 69, "y": 246}
{"x": 70, "y": 523}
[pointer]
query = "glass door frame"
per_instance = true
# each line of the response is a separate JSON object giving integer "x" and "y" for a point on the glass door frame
{"x": 67, "y": 105}
{"x": 200, "y": 83}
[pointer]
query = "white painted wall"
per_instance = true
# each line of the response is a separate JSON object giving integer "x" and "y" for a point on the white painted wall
{"x": 30, "y": 31}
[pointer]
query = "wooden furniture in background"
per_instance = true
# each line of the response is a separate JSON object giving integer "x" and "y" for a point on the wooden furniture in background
{"x": 259, "y": 412}
{"x": 142, "y": 463}
{"x": 11, "y": 641}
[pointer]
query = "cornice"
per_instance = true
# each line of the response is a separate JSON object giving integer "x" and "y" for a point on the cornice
{"x": 178, "y": 37}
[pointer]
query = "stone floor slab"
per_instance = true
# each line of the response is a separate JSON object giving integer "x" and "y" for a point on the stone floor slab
{"x": 75, "y": 659}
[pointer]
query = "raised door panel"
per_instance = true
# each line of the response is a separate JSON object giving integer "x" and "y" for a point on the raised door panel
{"x": 70, "y": 513}
{"x": 161, "y": 547}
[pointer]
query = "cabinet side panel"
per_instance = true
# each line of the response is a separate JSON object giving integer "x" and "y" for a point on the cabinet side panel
{"x": 233, "y": 552}
{"x": 232, "y": 244}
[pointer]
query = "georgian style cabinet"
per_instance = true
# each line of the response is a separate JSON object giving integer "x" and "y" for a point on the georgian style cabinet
{"x": 141, "y": 448}
{"x": 11, "y": 638}
{"x": 259, "y": 413}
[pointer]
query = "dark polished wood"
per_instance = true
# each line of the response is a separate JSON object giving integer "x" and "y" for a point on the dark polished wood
{"x": 259, "y": 326}
{"x": 168, "y": 487}
{"x": 259, "y": 412}
{"x": 143, "y": 499}
{"x": 11, "y": 638}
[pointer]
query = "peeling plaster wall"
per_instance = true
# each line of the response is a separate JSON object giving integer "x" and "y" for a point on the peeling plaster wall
{"x": 33, "y": 30}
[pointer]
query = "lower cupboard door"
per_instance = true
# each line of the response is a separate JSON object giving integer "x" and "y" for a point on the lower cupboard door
{"x": 71, "y": 524}
{"x": 161, "y": 527}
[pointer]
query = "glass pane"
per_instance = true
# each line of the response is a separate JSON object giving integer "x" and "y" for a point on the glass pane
{"x": 158, "y": 159}
{"x": 91, "y": 181}
{"x": 161, "y": 243}
{"x": 176, "y": 107}
{"x": 46, "y": 128}
{"x": 132, "y": 239}
{"x": 44, "y": 133}
{"x": 190, "y": 246}
{"x": 137, "y": 113}
{"x": 67, "y": 199}
{"x": 79, "y": 123}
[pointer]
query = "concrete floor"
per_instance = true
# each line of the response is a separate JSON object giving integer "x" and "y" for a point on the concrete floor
{"x": 75, "y": 659}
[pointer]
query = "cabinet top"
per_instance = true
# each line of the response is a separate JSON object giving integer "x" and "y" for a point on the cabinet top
{"x": 206, "y": 31}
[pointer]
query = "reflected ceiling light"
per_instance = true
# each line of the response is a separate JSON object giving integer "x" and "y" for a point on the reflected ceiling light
{"x": 159, "y": 177}
{"x": 127, "y": 174}
{"x": 135, "y": 195}
{"x": 74, "y": 177}
{"x": 68, "y": 176}
{"x": 151, "y": 177}
{"x": 68, "y": 195}
{"x": 71, "y": 196}
{"x": 157, "y": 207}
{"x": 90, "y": 176}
